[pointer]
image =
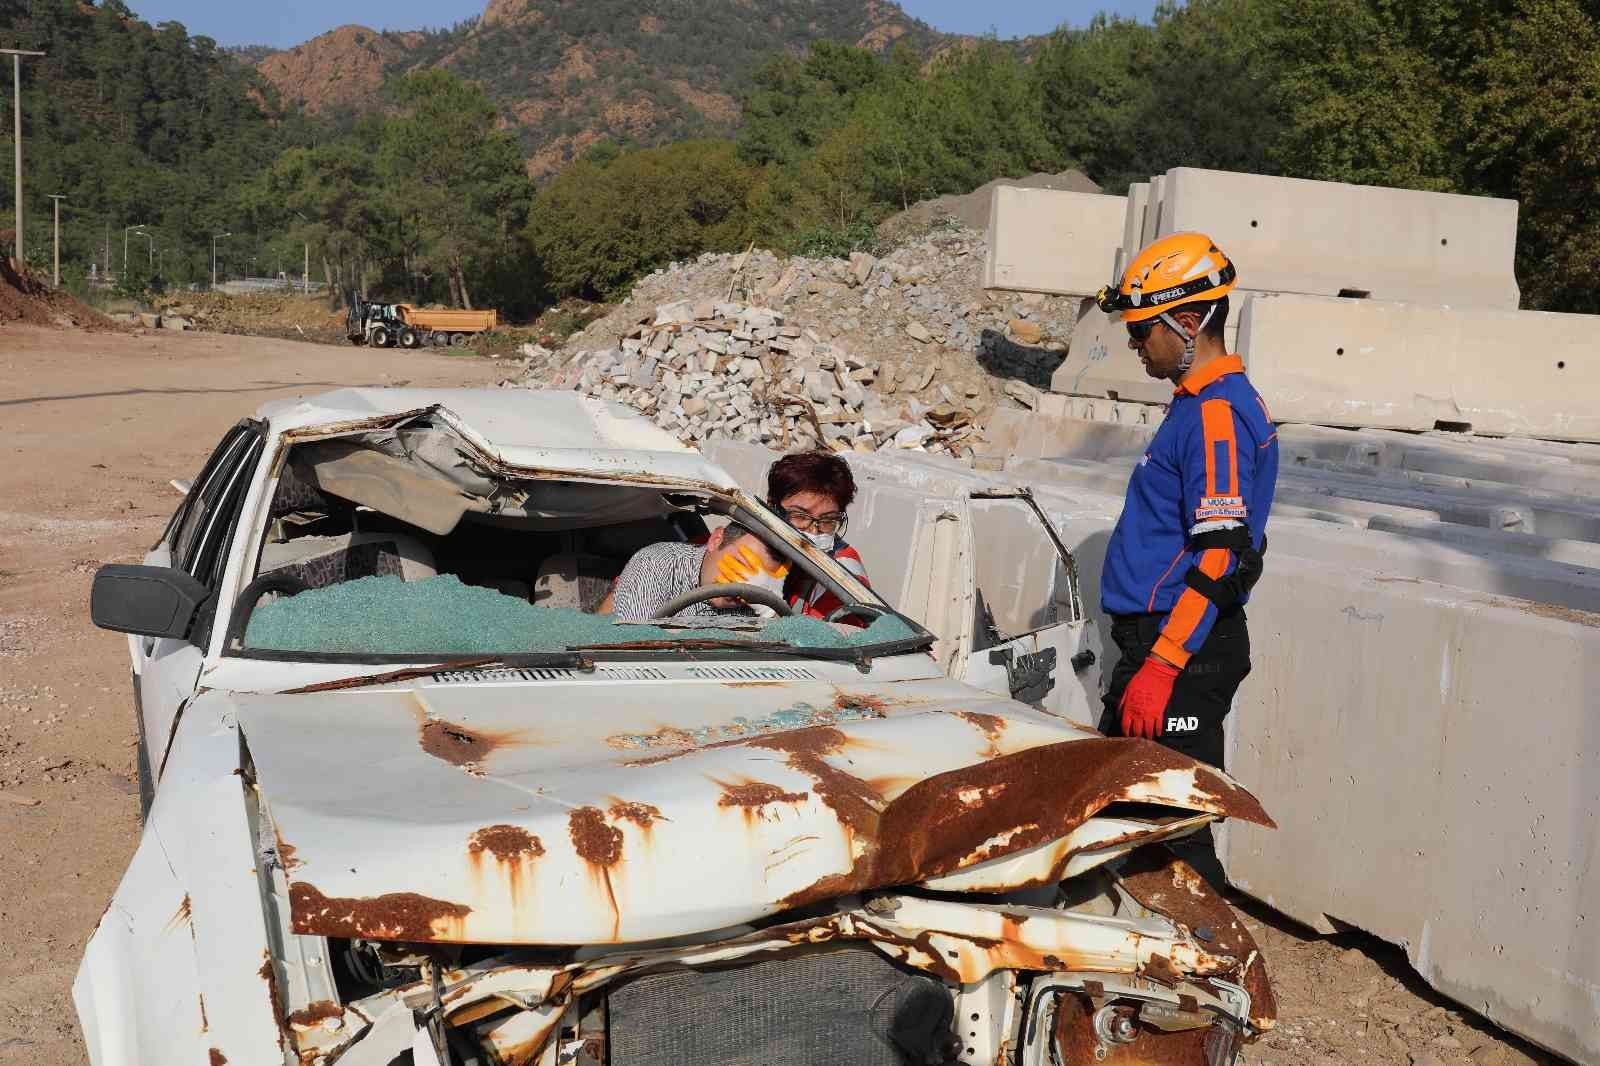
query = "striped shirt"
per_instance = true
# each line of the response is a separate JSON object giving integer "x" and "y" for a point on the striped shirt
{"x": 659, "y": 573}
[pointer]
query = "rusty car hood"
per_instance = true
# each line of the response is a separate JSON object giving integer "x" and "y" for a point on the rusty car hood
{"x": 632, "y": 810}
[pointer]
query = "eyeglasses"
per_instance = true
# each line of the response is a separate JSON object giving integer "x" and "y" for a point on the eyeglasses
{"x": 1140, "y": 331}
{"x": 806, "y": 522}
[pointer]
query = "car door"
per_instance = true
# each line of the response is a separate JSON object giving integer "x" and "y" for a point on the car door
{"x": 196, "y": 541}
{"x": 1029, "y": 637}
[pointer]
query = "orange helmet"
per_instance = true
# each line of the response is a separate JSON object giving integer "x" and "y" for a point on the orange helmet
{"x": 1178, "y": 269}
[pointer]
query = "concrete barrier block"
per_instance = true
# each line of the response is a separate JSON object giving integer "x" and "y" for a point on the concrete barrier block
{"x": 1389, "y": 726}
{"x": 1050, "y": 240}
{"x": 1407, "y": 366}
{"x": 1324, "y": 237}
{"x": 1150, "y": 223}
{"x": 1132, "y": 224}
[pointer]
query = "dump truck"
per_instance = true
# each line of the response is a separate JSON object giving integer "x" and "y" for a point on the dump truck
{"x": 388, "y": 325}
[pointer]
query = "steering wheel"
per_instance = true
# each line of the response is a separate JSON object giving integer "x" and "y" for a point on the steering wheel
{"x": 735, "y": 590}
{"x": 245, "y": 605}
{"x": 870, "y": 611}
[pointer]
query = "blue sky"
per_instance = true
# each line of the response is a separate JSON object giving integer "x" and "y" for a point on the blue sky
{"x": 286, "y": 24}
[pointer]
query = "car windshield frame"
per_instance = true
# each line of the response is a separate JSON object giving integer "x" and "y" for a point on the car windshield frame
{"x": 738, "y": 506}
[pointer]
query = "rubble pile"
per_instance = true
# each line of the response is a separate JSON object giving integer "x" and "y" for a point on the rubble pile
{"x": 905, "y": 351}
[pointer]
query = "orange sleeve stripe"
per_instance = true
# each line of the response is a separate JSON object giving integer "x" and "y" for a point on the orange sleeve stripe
{"x": 1214, "y": 562}
{"x": 1216, "y": 423}
{"x": 1190, "y": 610}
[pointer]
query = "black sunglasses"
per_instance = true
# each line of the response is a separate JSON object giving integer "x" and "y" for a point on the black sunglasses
{"x": 1140, "y": 331}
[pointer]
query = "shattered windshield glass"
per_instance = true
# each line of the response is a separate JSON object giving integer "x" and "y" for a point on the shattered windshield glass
{"x": 411, "y": 540}
{"x": 441, "y": 615}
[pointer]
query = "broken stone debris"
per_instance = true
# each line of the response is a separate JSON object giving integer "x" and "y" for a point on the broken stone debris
{"x": 151, "y": 321}
{"x": 707, "y": 369}
{"x": 915, "y": 323}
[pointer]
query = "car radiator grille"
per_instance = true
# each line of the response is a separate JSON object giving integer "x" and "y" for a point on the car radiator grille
{"x": 840, "y": 1007}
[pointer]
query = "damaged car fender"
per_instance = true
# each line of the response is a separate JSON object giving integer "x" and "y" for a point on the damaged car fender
{"x": 161, "y": 979}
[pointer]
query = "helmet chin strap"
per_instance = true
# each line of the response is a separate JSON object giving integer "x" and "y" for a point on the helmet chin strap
{"x": 1188, "y": 338}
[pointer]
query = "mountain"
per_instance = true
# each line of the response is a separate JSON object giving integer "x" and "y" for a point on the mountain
{"x": 569, "y": 73}
{"x": 342, "y": 69}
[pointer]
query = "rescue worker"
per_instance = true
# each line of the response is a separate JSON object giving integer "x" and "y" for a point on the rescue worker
{"x": 1189, "y": 543}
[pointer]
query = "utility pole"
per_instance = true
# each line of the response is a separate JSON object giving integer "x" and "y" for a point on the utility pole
{"x": 58, "y": 198}
{"x": 214, "y": 239}
{"x": 16, "y": 115}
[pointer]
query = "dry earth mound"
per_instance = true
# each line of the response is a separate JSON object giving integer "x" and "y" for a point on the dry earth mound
{"x": 972, "y": 209}
{"x": 27, "y": 299}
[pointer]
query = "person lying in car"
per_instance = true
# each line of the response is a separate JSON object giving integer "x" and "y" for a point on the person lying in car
{"x": 660, "y": 573}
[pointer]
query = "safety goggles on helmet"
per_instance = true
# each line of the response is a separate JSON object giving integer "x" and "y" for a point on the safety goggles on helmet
{"x": 1116, "y": 302}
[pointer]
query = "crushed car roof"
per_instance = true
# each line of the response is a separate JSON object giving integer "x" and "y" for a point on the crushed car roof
{"x": 561, "y": 432}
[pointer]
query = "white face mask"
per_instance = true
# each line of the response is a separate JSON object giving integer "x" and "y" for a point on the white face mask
{"x": 823, "y": 541}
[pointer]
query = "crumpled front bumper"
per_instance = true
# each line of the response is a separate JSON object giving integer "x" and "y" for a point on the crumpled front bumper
{"x": 1045, "y": 974}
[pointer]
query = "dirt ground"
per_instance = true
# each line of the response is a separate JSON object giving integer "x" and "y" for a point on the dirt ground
{"x": 92, "y": 428}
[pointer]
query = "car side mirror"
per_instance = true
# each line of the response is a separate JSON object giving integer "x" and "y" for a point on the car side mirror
{"x": 151, "y": 601}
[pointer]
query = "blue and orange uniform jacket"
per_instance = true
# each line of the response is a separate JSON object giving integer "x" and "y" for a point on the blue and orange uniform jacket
{"x": 1212, "y": 466}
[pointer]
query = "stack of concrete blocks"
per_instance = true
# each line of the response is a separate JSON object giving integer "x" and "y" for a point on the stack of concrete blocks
{"x": 1357, "y": 306}
{"x": 1423, "y": 717}
{"x": 1423, "y": 714}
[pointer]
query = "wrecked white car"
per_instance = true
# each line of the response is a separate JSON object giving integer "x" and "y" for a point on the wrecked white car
{"x": 410, "y": 800}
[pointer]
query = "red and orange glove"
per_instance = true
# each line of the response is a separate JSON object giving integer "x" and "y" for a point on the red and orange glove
{"x": 1144, "y": 701}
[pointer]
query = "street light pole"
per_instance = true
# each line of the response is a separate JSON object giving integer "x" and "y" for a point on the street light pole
{"x": 16, "y": 116}
{"x": 305, "y": 272}
{"x": 214, "y": 239}
{"x": 58, "y": 198}
{"x": 125, "y": 229}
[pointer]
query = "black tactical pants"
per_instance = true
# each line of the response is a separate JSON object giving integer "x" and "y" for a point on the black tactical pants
{"x": 1201, "y": 699}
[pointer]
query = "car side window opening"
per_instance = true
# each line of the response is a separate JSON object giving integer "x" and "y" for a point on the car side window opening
{"x": 211, "y": 555}
{"x": 1018, "y": 562}
{"x": 190, "y": 522}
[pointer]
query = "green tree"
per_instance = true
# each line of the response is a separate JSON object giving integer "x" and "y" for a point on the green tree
{"x": 793, "y": 106}
{"x": 596, "y": 228}
{"x": 1359, "y": 103}
{"x": 1533, "y": 132}
{"x": 461, "y": 176}
{"x": 1094, "y": 88}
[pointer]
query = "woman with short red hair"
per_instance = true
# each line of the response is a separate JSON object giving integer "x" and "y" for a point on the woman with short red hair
{"x": 812, "y": 491}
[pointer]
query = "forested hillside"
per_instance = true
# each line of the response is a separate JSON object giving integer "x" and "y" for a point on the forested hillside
{"x": 565, "y": 75}
{"x": 1490, "y": 97}
{"x": 428, "y": 196}
{"x": 136, "y": 124}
